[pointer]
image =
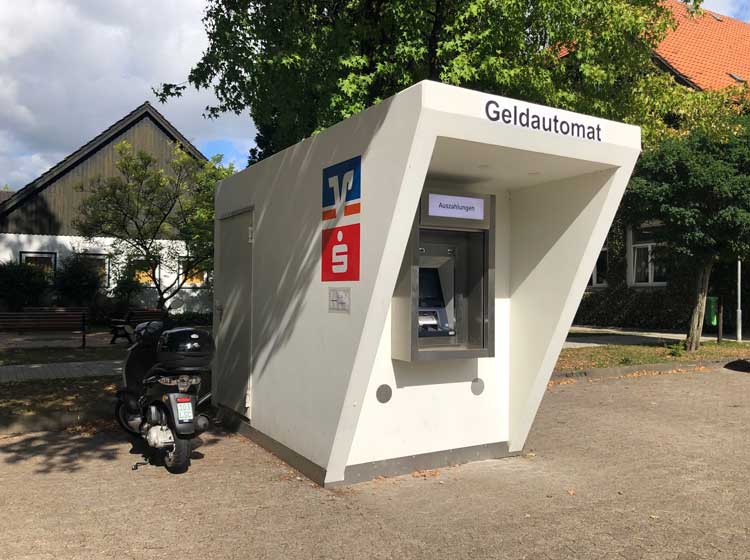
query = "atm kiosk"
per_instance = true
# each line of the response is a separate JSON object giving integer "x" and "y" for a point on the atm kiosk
{"x": 392, "y": 294}
{"x": 441, "y": 307}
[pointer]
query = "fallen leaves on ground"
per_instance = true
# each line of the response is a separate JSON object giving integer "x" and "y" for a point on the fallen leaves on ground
{"x": 91, "y": 428}
{"x": 426, "y": 474}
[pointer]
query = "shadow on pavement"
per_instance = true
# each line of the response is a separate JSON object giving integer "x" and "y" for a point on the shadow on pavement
{"x": 61, "y": 452}
{"x": 742, "y": 366}
{"x": 68, "y": 451}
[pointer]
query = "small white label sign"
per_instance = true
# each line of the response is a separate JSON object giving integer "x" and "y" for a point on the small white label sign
{"x": 448, "y": 206}
{"x": 339, "y": 300}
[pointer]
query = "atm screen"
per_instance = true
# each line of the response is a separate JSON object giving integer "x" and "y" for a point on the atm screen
{"x": 430, "y": 290}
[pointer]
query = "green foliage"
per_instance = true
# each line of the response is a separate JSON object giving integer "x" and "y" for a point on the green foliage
{"x": 22, "y": 285}
{"x": 146, "y": 205}
{"x": 676, "y": 350}
{"x": 698, "y": 186}
{"x": 620, "y": 306}
{"x": 300, "y": 66}
{"x": 77, "y": 281}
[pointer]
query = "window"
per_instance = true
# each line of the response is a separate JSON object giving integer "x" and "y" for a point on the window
{"x": 47, "y": 261}
{"x": 599, "y": 275}
{"x": 194, "y": 278}
{"x": 100, "y": 262}
{"x": 647, "y": 267}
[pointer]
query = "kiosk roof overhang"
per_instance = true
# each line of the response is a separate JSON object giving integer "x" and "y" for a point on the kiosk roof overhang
{"x": 472, "y": 163}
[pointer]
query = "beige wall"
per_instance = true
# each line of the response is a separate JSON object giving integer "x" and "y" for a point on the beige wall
{"x": 52, "y": 211}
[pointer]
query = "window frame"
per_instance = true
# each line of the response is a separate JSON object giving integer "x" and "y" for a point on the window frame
{"x": 649, "y": 246}
{"x": 594, "y": 281}
{"x": 23, "y": 254}
{"x": 106, "y": 259}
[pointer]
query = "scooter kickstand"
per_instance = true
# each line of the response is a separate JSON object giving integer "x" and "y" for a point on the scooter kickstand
{"x": 140, "y": 464}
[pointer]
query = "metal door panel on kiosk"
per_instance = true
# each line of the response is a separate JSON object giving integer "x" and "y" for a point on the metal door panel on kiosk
{"x": 231, "y": 377}
{"x": 443, "y": 305}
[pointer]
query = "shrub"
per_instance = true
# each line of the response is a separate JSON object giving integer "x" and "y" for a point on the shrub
{"x": 77, "y": 281}
{"x": 191, "y": 319}
{"x": 22, "y": 284}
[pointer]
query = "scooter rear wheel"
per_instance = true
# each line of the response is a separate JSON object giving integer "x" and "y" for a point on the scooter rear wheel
{"x": 178, "y": 460}
{"x": 121, "y": 412}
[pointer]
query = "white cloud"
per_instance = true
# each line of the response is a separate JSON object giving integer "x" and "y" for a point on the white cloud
{"x": 73, "y": 68}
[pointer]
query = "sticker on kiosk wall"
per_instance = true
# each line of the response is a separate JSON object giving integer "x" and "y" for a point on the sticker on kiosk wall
{"x": 340, "y": 259}
{"x": 341, "y": 201}
{"x": 342, "y": 189}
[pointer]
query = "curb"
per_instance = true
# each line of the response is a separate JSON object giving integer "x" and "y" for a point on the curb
{"x": 60, "y": 370}
{"x": 603, "y": 373}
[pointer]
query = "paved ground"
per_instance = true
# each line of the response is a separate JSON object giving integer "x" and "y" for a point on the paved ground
{"x": 580, "y": 337}
{"x": 27, "y": 372}
{"x": 649, "y": 467}
{"x": 98, "y": 337}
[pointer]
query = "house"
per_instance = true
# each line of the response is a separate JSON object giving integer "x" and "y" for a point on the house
{"x": 706, "y": 51}
{"x": 36, "y": 222}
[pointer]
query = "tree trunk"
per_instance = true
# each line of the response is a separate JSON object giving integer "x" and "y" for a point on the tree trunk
{"x": 699, "y": 310}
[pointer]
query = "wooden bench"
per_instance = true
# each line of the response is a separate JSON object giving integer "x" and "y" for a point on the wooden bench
{"x": 33, "y": 321}
{"x": 58, "y": 309}
{"x": 122, "y": 327}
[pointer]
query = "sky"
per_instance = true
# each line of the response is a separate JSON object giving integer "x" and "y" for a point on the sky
{"x": 735, "y": 8}
{"x": 71, "y": 68}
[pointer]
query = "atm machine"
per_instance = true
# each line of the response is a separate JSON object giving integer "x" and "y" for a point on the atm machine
{"x": 444, "y": 298}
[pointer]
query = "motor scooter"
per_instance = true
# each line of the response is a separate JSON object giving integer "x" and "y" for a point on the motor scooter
{"x": 161, "y": 398}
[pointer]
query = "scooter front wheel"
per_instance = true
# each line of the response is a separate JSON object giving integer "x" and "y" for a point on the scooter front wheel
{"x": 178, "y": 459}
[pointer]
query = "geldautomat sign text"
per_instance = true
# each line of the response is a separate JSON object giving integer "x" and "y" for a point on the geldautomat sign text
{"x": 544, "y": 119}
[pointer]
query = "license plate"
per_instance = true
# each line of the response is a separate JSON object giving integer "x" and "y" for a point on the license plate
{"x": 184, "y": 411}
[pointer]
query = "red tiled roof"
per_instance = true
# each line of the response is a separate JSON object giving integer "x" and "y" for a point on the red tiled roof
{"x": 707, "y": 48}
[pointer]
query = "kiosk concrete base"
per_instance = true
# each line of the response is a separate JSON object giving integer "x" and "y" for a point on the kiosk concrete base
{"x": 365, "y": 471}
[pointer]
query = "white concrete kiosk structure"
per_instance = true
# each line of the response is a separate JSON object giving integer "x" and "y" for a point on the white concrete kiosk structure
{"x": 317, "y": 273}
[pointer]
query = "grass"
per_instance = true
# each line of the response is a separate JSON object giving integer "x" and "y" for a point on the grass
{"x": 51, "y": 396}
{"x": 574, "y": 359}
{"x": 20, "y": 356}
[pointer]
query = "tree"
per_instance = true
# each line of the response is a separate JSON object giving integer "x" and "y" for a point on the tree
{"x": 300, "y": 66}
{"x": 161, "y": 219}
{"x": 697, "y": 184}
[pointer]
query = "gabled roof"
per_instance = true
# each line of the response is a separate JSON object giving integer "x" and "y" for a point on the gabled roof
{"x": 706, "y": 49}
{"x": 146, "y": 110}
